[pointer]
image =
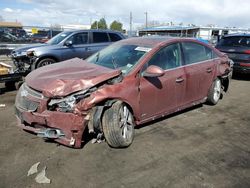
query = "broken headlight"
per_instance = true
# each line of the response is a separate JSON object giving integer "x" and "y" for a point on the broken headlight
{"x": 63, "y": 105}
{"x": 31, "y": 53}
{"x": 67, "y": 104}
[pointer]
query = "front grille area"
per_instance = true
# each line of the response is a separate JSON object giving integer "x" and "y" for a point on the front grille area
{"x": 24, "y": 102}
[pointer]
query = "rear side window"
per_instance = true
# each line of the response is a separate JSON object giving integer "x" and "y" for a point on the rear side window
{"x": 240, "y": 41}
{"x": 114, "y": 37}
{"x": 194, "y": 52}
{"x": 100, "y": 37}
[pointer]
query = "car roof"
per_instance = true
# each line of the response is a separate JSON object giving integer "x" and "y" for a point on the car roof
{"x": 152, "y": 41}
{"x": 92, "y": 30}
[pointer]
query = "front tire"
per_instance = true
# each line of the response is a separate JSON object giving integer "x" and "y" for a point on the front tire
{"x": 44, "y": 62}
{"x": 215, "y": 92}
{"x": 118, "y": 125}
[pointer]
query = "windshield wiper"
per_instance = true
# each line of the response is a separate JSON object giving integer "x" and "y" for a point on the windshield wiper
{"x": 97, "y": 56}
{"x": 113, "y": 62}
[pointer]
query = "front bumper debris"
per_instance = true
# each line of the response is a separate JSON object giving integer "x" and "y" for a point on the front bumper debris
{"x": 64, "y": 128}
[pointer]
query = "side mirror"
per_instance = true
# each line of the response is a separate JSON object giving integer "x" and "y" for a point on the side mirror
{"x": 68, "y": 43}
{"x": 153, "y": 71}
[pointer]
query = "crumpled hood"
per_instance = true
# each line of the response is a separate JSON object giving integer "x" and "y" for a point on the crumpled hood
{"x": 64, "y": 78}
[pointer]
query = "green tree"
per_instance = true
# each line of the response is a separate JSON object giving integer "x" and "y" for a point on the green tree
{"x": 101, "y": 24}
{"x": 115, "y": 25}
{"x": 94, "y": 25}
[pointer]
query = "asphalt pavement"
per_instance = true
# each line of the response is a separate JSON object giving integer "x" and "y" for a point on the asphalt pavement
{"x": 206, "y": 146}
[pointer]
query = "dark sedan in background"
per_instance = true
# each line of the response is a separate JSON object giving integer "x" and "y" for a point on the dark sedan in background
{"x": 237, "y": 47}
{"x": 129, "y": 83}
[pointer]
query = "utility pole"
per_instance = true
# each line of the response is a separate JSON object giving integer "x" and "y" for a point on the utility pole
{"x": 146, "y": 13}
{"x": 130, "y": 24}
{"x": 90, "y": 20}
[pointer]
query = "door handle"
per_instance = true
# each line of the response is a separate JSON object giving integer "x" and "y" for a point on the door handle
{"x": 209, "y": 70}
{"x": 179, "y": 80}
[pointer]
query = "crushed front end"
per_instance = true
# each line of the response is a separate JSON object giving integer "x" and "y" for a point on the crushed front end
{"x": 21, "y": 61}
{"x": 53, "y": 119}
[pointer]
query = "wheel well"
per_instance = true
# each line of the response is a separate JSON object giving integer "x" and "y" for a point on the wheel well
{"x": 95, "y": 122}
{"x": 45, "y": 57}
{"x": 111, "y": 101}
{"x": 225, "y": 83}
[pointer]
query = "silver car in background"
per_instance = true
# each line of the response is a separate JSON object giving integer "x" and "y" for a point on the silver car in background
{"x": 65, "y": 45}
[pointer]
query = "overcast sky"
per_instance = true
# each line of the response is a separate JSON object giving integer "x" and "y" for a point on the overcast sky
{"x": 199, "y": 12}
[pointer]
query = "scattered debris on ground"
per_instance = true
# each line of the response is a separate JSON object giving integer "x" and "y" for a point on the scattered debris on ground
{"x": 33, "y": 169}
{"x": 2, "y": 105}
{"x": 41, "y": 177}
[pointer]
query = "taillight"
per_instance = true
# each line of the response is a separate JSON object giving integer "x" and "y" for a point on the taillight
{"x": 245, "y": 64}
{"x": 247, "y": 51}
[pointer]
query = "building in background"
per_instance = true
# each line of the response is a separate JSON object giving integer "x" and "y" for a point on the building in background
{"x": 11, "y": 25}
{"x": 12, "y": 28}
{"x": 75, "y": 26}
{"x": 175, "y": 31}
{"x": 210, "y": 33}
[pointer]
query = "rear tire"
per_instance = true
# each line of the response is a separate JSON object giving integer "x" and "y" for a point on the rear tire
{"x": 214, "y": 93}
{"x": 44, "y": 62}
{"x": 118, "y": 125}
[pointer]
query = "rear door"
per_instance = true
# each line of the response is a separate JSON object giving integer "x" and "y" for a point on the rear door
{"x": 99, "y": 40}
{"x": 114, "y": 37}
{"x": 199, "y": 68}
{"x": 165, "y": 93}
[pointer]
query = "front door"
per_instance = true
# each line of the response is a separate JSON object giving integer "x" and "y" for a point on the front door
{"x": 163, "y": 94}
{"x": 79, "y": 47}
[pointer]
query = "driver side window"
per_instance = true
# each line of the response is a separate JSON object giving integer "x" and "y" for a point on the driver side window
{"x": 167, "y": 57}
{"x": 79, "y": 38}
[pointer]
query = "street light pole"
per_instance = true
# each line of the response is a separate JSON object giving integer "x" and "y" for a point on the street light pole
{"x": 146, "y": 13}
{"x": 130, "y": 24}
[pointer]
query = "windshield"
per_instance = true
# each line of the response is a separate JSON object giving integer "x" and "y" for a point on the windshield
{"x": 58, "y": 38}
{"x": 123, "y": 57}
{"x": 235, "y": 41}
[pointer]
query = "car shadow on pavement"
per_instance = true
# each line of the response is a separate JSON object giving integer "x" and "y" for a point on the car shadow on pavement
{"x": 10, "y": 86}
{"x": 244, "y": 77}
{"x": 4, "y": 90}
{"x": 170, "y": 116}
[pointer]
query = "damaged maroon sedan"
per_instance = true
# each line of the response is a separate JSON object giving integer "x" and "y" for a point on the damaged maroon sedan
{"x": 126, "y": 84}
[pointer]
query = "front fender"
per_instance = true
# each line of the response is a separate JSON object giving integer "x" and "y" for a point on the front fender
{"x": 118, "y": 91}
